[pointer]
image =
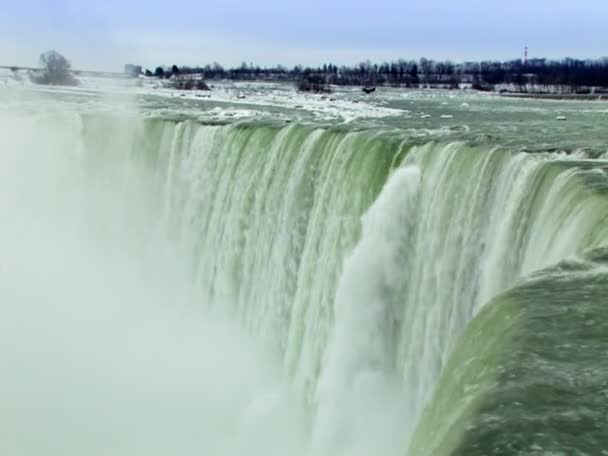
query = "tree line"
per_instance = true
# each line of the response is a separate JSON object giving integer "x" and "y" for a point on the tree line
{"x": 576, "y": 74}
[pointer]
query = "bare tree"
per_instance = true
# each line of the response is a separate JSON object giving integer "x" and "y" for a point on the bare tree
{"x": 56, "y": 70}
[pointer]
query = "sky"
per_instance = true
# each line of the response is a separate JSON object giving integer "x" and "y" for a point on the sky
{"x": 98, "y": 35}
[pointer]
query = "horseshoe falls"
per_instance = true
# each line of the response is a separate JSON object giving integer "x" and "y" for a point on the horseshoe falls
{"x": 248, "y": 276}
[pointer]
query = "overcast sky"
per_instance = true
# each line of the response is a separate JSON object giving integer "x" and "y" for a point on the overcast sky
{"x": 106, "y": 34}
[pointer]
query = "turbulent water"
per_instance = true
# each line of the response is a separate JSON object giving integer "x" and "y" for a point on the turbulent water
{"x": 174, "y": 286}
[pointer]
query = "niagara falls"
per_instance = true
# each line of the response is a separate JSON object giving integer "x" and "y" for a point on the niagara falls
{"x": 261, "y": 229}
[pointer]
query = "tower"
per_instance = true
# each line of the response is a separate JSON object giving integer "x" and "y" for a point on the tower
{"x": 525, "y": 55}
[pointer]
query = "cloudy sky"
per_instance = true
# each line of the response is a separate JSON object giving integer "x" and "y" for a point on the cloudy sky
{"x": 107, "y": 34}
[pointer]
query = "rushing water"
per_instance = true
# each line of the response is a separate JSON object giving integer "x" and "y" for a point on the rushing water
{"x": 171, "y": 286}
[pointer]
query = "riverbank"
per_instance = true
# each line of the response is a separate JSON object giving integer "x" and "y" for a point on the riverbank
{"x": 556, "y": 96}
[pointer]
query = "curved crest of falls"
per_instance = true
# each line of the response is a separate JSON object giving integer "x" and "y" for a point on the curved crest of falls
{"x": 178, "y": 286}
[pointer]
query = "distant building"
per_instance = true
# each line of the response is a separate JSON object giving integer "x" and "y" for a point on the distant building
{"x": 133, "y": 70}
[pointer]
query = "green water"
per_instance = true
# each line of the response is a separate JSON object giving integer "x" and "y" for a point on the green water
{"x": 425, "y": 283}
{"x": 529, "y": 374}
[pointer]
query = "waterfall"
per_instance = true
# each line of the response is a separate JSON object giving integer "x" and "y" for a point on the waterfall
{"x": 355, "y": 258}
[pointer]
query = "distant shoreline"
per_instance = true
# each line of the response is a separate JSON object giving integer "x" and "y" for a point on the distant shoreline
{"x": 538, "y": 94}
{"x": 556, "y": 96}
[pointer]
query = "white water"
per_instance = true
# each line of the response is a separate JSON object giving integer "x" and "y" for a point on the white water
{"x": 361, "y": 405}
